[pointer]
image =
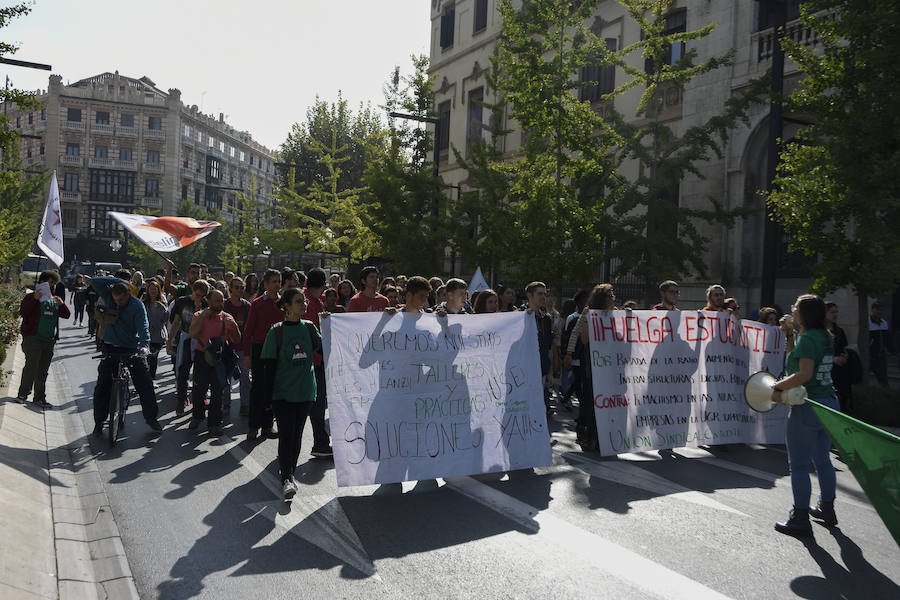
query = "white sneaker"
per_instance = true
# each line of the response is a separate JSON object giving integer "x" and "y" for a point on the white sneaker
{"x": 289, "y": 489}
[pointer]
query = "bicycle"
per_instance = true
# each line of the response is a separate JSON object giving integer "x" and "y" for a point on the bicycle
{"x": 119, "y": 394}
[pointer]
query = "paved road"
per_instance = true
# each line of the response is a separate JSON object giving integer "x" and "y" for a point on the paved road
{"x": 201, "y": 518}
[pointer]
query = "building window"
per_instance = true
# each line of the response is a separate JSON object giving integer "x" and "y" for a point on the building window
{"x": 151, "y": 188}
{"x": 212, "y": 199}
{"x": 601, "y": 80}
{"x": 448, "y": 23}
{"x": 112, "y": 186}
{"x": 184, "y": 192}
{"x": 124, "y": 153}
{"x": 155, "y": 123}
{"x": 43, "y": 114}
{"x": 70, "y": 217}
{"x": 42, "y": 148}
{"x": 101, "y": 152}
{"x": 18, "y": 121}
{"x": 197, "y": 196}
{"x": 74, "y": 114}
{"x": 251, "y": 160}
{"x": 481, "y": 12}
{"x": 73, "y": 149}
{"x": 152, "y": 157}
{"x": 211, "y": 142}
{"x": 444, "y": 142}
{"x": 212, "y": 169}
{"x": 102, "y": 117}
{"x": 187, "y": 131}
{"x": 28, "y": 151}
{"x": 676, "y": 22}
{"x": 127, "y": 121}
{"x": 242, "y": 156}
{"x": 199, "y": 136}
{"x": 186, "y": 162}
{"x": 474, "y": 119}
{"x": 766, "y": 14}
{"x": 30, "y": 118}
{"x": 222, "y": 147}
{"x": 231, "y": 151}
{"x": 100, "y": 224}
{"x": 71, "y": 182}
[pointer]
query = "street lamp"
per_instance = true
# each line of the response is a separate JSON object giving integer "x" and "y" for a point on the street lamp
{"x": 437, "y": 133}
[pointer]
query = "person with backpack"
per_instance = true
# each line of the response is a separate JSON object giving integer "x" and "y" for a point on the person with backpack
{"x": 289, "y": 379}
{"x": 212, "y": 332}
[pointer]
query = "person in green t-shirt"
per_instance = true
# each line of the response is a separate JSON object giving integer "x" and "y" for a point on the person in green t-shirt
{"x": 809, "y": 363}
{"x": 290, "y": 380}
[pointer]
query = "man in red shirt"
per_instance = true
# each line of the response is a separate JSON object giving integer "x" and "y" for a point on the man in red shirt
{"x": 207, "y": 325}
{"x": 315, "y": 285}
{"x": 368, "y": 300}
{"x": 668, "y": 295}
{"x": 40, "y": 332}
{"x": 263, "y": 314}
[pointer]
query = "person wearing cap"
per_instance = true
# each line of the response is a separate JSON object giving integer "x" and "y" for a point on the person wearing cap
{"x": 879, "y": 343}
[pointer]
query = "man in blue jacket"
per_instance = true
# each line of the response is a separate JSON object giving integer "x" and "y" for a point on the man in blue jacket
{"x": 128, "y": 335}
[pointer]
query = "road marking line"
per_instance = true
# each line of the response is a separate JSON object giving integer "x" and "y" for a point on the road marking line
{"x": 608, "y": 556}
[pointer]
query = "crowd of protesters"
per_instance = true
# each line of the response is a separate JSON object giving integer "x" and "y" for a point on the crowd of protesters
{"x": 262, "y": 334}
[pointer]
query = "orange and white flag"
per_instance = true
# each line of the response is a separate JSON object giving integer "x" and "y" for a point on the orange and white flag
{"x": 165, "y": 234}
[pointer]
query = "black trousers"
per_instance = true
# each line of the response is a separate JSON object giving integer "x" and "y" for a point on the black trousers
{"x": 38, "y": 354}
{"x": 317, "y": 412}
{"x": 291, "y": 418}
{"x": 205, "y": 378}
{"x": 79, "y": 312}
{"x": 140, "y": 378}
{"x": 153, "y": 359}
{"x": 261, "y": 416}
{"x": 184, "y": 371}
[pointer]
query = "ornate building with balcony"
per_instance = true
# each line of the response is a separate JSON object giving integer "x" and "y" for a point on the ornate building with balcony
{"x": 121, "y": 144}
{"x": 464, "y": 36}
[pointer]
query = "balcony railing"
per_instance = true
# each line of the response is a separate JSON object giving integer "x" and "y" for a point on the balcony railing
{"x": 73, "y": 125}
{"x": 153, "y": 167}
{"x": 93, "y": 161}
{"x": 102, "y": 128}
{"x": 794, "y": 30}
{"x": 129, "y": 165}
{"x": 66, "y": 196}
{"x": 125, "y": 131}
{"x": 156, "y": 134}
{"x": 71, "y": 161}
{"x": 188, "y": 140}
{"x": 148, "y": 202}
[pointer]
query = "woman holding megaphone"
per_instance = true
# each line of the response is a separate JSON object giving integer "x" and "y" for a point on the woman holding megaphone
{"x": 809, "y": 364}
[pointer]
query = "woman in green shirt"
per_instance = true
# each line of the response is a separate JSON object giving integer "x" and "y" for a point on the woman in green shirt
{"x": 290, "y": 381}
{"x": 809, "y": 363}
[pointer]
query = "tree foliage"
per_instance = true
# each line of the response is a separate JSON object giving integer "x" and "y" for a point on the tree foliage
{"x": 837, "y": 192}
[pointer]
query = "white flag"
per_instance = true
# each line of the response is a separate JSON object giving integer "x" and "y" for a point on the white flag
{"x": 478, "y": 282}
{"x": 165, "y": 234}
{"x": 50, "y": 237}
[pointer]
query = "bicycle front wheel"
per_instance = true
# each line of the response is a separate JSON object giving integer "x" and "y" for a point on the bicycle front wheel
{"x": 114, "y": 399}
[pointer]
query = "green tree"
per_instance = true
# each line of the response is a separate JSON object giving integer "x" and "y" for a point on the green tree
{"x": 21, "y": 193}
{"x": 552, "y": 186}
{"x": 837, "y": 193}
{"x": 656, "y": 238}
{"x": 251, "y": 236}
{"x": 406, "y": 201}
{"x": 324, "y": 217}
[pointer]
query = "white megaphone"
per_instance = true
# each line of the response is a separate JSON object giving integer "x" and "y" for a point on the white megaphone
{"x": 758, "y": 393}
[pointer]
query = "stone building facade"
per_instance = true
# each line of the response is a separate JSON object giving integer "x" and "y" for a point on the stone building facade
{"x": 464, "y": 34}
{"x": 121, "y": 144}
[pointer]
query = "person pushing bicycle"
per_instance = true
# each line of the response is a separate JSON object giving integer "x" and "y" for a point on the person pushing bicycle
{"x": 126, "y": 336}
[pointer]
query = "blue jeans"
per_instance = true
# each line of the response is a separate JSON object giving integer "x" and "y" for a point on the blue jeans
{"x": 807, "y": 442}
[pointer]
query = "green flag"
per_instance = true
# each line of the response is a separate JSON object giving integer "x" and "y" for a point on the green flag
{"x": 873, "y": 456}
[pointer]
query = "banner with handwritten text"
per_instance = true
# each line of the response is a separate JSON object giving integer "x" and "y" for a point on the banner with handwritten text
{"x": 667, "y": 379}
{"x": 416, "y": 396}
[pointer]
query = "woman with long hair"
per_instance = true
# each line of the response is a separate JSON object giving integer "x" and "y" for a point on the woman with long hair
{"x": 251, "y": 286}
{"x": 486, "y": 301}
{"x": 346, "y": 290}
{"x": 158, "y": 316}
{"x": 507, "y": 296}
{"x": 809, "y": 363}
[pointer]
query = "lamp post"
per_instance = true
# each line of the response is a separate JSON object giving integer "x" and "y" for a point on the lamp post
{"x": 437, "y": 134}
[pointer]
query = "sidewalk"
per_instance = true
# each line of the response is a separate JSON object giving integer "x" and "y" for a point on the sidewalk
{"x": 61, "y": 540}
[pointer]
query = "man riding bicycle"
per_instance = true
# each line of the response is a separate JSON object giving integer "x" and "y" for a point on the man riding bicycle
{"x": 128, "y": 335}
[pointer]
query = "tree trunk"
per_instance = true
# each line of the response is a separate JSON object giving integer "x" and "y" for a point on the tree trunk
{"x": 862, "y": 335}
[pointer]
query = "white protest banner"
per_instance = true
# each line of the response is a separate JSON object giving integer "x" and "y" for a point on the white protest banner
{"x": 666, "y": 379}
{"x": 417, "y": 396}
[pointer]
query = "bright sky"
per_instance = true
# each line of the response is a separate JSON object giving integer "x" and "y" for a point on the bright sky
{"x": 260, "y": 62}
